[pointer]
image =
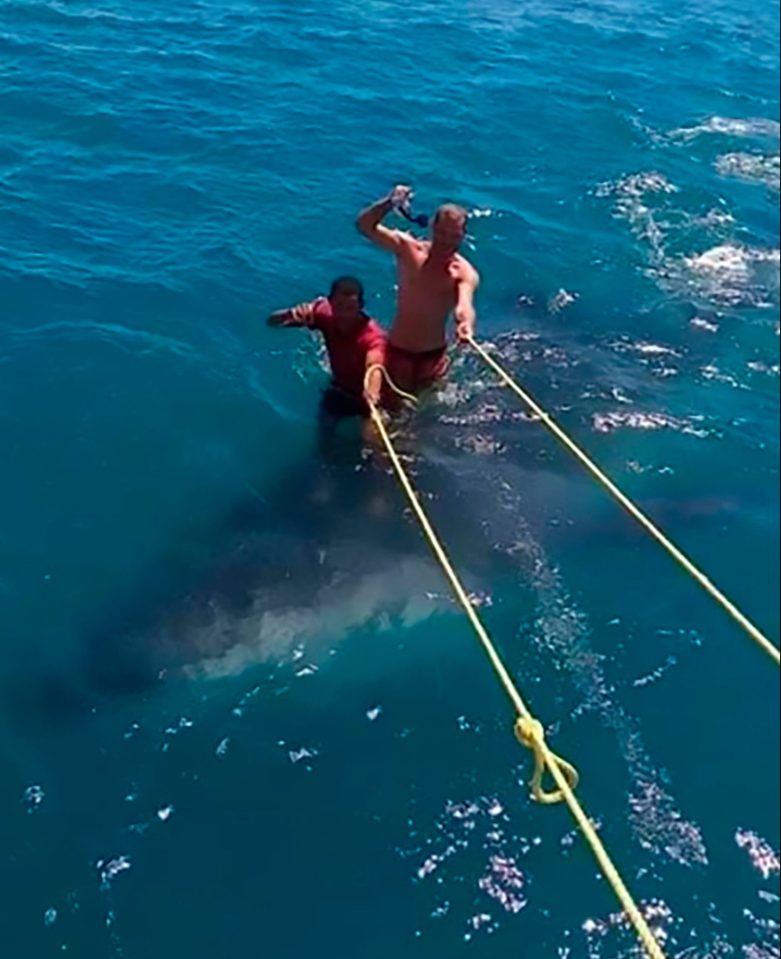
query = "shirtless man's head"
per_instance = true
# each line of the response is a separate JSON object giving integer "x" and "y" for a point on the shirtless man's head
{"x": 448, "y": 229}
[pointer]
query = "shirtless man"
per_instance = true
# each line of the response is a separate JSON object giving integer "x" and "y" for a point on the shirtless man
{"x": 434, "y": 280}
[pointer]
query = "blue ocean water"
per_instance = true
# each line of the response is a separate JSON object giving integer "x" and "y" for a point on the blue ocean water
{"x": 239, "y": 713}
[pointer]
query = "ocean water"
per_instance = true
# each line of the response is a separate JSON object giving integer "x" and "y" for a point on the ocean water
{"x": 239, "y": 713}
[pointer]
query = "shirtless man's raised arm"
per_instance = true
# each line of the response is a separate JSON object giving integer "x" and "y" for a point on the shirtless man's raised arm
{"x": 370, "y": 223}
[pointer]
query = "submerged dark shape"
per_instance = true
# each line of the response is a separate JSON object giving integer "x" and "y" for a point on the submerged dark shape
{"x": 328, "y": 547}
{"x": 325, "y": 549}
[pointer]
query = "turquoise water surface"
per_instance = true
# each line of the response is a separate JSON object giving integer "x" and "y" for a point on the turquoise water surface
{"x": 239, "y": 712}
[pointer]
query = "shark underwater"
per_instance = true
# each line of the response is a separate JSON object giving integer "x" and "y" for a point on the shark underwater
{"x": 329, "y": 546}
{"x": 325, "y": 548}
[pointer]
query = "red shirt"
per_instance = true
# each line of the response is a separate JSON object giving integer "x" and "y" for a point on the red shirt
{"x": 347, "y": 352}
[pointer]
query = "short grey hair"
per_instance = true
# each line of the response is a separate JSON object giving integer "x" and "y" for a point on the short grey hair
{"x": 451, "y": 211}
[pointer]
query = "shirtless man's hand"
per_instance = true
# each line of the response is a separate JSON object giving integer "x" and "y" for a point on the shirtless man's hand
{"x": 400, "y": 195}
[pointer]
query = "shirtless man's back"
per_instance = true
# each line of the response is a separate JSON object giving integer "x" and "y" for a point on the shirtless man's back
{"x": 434, "y": 281}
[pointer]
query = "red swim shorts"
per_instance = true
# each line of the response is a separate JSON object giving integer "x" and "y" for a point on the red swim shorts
{"x": 413, "y": 372}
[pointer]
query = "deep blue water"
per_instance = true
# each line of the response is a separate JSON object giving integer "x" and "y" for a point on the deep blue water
{"x": 239, "y": 714}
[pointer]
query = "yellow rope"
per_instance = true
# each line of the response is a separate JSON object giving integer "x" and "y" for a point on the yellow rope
{"x": 529, "y": 730}
{"x": 392, "y": 386}
{"x": 633, "y": 510}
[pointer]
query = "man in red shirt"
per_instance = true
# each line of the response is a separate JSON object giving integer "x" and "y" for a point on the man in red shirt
{"x": 354, "y": 342}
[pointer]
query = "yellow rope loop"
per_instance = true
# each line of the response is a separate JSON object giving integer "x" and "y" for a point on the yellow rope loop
{"x": 530, "y": 733}
{"x": 630, "y": 506}
{"x": 391, "y": 385}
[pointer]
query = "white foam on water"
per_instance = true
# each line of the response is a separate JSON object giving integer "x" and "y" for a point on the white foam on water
{"x": 656, "y": 913}
{"x": 33, "y": 797}
{"x": 751, "y": 167}
{"x": 656, "y": 821}
{"x": 753, "y": 127}
{"x": 638, "y": 184}
{"x": 713, "y": 373}
{"x": 769, "y": 369}
{"x": 654, "y": 349}
{"x": 634, "y": 203}
{"x": 726, "y": 260}
{"x": 478, "y": 824}
{"x": 763, "y": 857}
{"x": 561, "y": 300}
{"x": 760, "y": 952}
{"x": 299, "y": 755}
{"x": 636, "y": 420}
{"x": 733, "y": 274}
{"x": 505, "y": 883}
{"x": 700, "y": 323}
{"x": 111, "y": 869}
{"x": 726, "y": 272}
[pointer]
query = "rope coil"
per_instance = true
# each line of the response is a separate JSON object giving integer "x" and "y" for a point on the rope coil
{"x": 413, "y": 400}
{"x": 530, "y": 733}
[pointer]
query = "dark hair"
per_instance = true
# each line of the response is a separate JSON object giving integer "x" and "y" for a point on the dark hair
{"x": 349, "y": 285}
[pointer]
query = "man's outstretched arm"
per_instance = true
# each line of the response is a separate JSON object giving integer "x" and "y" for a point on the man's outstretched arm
{"x": 301, "y": 315}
